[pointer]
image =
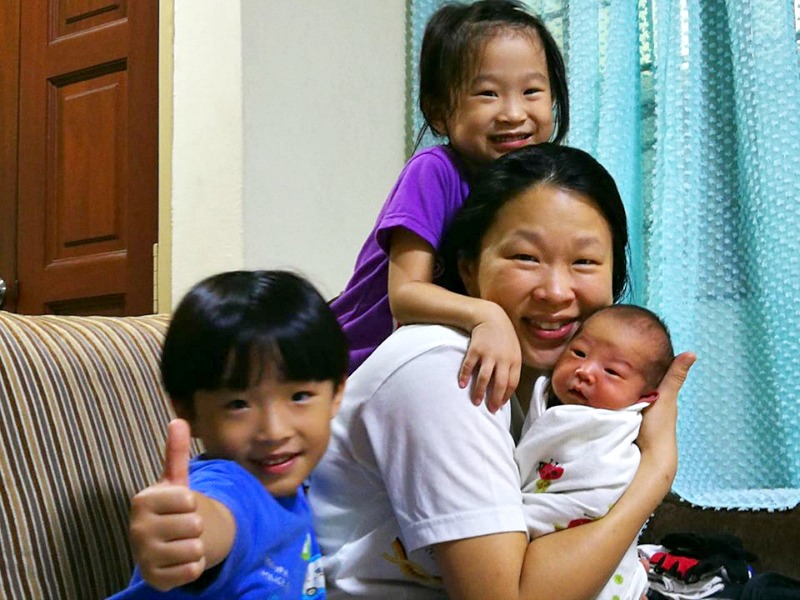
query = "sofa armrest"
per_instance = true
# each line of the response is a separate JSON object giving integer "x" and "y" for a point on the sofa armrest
{"x": 82, "y": 422}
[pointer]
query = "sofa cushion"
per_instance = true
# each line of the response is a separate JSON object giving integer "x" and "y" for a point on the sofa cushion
{"x": 82, "y": 422}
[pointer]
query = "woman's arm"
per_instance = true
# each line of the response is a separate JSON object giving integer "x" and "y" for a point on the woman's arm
{"x": 413, "y": 298}
{"x": 573, "y": 563}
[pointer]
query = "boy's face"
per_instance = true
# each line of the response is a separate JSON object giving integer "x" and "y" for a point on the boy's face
{"x": 277, "y": 430}
{"x": 604, "y": 366}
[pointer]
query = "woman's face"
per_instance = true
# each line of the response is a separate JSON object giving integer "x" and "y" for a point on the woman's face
{"x": 547, "y": 261}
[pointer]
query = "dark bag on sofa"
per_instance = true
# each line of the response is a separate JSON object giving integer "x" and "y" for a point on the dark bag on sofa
{"x": 708, "y": 554}
{"x": 771, "y": 586}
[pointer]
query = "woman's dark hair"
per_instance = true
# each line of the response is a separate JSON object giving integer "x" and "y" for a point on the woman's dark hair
{"x": 234, "y": 322}
{"x": 514, "y": 173}
{"x": 451, "y": 46}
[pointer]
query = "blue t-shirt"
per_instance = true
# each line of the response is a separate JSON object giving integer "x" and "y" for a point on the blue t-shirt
{"x": 275, "y": 555}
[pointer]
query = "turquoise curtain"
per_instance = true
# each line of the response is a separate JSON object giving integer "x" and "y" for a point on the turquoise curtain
{"x": 694, "y": 107}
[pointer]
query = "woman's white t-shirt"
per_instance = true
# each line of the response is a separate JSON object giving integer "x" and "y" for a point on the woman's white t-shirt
{"x": 411, "y": 463}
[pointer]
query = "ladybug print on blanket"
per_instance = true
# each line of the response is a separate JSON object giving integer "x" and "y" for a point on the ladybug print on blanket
{"x": 548, "y": 472}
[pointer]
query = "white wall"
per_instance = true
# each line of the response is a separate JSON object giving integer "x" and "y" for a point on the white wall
{"x": 288, "y": 133}
{"x": 323, "y": 129}
{"x": 207, "y": 148}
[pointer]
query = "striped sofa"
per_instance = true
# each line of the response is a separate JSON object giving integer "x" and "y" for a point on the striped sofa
{"x": 82, "y": 420}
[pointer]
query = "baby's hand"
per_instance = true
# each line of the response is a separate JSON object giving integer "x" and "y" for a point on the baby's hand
{"x": 165, "y": 525}
{"x": 495, "y": 354}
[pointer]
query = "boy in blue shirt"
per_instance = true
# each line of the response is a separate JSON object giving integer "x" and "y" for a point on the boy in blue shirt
{"x": 254, "y": 364}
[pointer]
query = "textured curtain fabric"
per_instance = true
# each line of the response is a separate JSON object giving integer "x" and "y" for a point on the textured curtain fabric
{"x": 694, "y": 107}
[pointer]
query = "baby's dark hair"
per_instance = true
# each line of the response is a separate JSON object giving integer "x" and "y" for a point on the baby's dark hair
{"x": 232, "y": 323}
{"x": 513, "y": 174}
{"x": 451, "y": 46}
{"x": 649, "y": 324}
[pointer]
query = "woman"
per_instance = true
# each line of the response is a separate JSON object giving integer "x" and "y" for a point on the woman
{"x": 418, "y": 494}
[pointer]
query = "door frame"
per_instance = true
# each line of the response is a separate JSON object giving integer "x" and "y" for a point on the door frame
{"x": 162, "y": 283}
{"x": 9, "y": 150}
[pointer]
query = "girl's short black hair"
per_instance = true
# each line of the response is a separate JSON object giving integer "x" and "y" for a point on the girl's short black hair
{"x": 514, "y": 173}
{"x": 232, "y": 323}
{"x": 454, "y": 38}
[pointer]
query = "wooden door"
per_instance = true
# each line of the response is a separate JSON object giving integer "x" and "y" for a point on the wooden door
{"x": 87, "y": 179}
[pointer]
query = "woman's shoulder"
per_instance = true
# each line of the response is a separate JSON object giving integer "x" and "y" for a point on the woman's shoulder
{"x": 411, "y": 341}
{"x": 414, "y": 346}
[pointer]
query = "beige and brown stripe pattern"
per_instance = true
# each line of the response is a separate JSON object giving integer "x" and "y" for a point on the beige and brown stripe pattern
{"x": 82, "y": 420}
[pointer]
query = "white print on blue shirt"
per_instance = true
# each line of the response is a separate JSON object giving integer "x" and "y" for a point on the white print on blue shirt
{"x": 276, "y": 574}
{"x": 314, "y": 585}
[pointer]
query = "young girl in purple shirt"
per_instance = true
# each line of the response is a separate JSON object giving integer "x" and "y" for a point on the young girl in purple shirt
{"x": 492, "y": 80}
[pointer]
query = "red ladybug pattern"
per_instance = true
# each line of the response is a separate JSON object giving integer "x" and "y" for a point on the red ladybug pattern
{"x": 548, "y": 472}
{"x": 577, "y": 522}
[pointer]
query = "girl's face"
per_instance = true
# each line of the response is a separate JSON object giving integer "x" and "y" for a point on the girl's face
{"x": 506, "y": 105}
{"x": 547, "y": 261}
{"x": 277, "y": 430}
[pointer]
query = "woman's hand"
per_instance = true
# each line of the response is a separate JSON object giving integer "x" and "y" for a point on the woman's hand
{"x": 657, "y": 435}
{"x": 493, "y": 358}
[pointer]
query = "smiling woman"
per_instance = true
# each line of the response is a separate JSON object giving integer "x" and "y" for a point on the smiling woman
{"x": 403, "y": 509}
{"x": 554, "y": 245}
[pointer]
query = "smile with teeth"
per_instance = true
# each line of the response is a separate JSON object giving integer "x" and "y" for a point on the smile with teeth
{"x": 554, "y": 331}
{"x": 278, "y": 459}
{"x": 510, "y": 137}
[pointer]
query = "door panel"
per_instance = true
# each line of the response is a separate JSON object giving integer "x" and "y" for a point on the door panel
{"x": 88, "y": 156}
{"x": 86, "y": 214}
{"x": 78, "y": 15}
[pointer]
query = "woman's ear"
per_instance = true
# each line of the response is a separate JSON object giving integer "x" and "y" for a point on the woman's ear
{"x": 468, "y": 271}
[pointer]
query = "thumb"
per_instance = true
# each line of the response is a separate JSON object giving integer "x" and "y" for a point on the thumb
{"x": 176, "y": 456}
{"x": 676, "y": 375}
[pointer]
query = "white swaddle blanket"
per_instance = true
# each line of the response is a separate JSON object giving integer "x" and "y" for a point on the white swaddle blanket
{"x": 575, "y": 462}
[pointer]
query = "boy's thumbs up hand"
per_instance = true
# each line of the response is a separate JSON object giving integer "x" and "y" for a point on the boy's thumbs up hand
{"x": 176, "y": 455}
{"x": 165, "y": 524}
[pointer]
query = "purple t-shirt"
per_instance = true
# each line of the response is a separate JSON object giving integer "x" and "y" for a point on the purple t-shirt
{"x": 430, "y": 191}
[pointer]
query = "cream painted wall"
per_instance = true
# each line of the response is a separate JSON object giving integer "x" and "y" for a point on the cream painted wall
{"x": 323, "y": 130}
{"x": 207, "y": 142}
{"x": 287, "y": 134}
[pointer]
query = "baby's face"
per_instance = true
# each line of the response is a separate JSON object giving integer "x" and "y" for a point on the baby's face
{"x": 603, "y": 365}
